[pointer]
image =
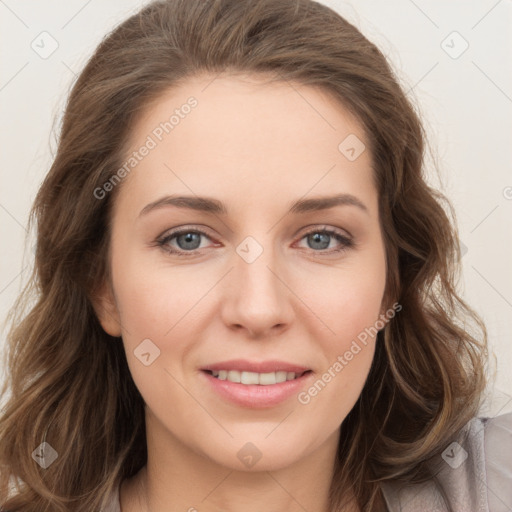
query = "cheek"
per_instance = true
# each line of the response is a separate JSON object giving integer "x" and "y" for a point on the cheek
{"x": 153, "y": 310}
{"x": 347, "y": 301}
{"x": 348, "y": 349}
{"x": 163, "y": 305}
{"x": 153, "y": 297}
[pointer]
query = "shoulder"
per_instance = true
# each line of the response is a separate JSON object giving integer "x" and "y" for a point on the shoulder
{"x": 474, "y": 473}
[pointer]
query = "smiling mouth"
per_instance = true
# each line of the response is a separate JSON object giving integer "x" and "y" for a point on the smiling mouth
{"x": 253, "y": 378}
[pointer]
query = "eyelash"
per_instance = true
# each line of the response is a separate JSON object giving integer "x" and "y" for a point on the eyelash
{"x": 163, "y": 241}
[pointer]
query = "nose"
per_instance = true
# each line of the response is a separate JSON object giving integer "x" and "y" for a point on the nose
{"x": 258, "y": 299}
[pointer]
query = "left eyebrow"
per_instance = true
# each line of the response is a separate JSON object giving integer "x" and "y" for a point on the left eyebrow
{"x": 214, "y": 206}
{"x": 326, "y": 202}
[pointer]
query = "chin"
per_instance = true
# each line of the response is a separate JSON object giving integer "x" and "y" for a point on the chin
{"x": 256, "y": 456}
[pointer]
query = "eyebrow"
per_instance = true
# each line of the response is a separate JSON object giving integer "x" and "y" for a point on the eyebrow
{"x": 214, "y": 206}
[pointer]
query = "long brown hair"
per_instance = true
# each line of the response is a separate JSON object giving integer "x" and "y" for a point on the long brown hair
{"x": 69, "y": 381}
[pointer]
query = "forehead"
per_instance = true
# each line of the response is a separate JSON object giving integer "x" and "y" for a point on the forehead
{"x": 247, "y": 137}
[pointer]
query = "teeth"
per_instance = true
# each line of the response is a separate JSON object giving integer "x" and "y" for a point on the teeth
{"x": 263, "y": 379}
{"x": 281, "y": 377}
{"x": 233, "y": 376}
{"x": 250, "y": 378}
{"x": 266, "y": 378}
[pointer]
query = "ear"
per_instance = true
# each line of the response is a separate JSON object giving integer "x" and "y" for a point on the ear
{"x": 106, "y": 310}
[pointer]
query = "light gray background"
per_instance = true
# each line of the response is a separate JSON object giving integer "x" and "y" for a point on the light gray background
{"x": 465, "y": 100}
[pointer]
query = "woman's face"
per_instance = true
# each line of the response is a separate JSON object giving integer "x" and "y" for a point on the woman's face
{"x": 250, "y": 288}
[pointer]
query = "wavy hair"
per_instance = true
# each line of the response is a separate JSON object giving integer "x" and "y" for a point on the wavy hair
{"x": 69, "y": 382}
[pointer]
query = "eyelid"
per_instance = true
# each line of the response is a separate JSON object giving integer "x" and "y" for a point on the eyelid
{"x": 325, "y": 227}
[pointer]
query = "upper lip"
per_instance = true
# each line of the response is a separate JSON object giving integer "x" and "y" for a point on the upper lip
{"x": 257, "y": 367}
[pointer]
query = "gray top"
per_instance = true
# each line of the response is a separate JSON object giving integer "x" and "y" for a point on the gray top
{"x": 476, "y": 475}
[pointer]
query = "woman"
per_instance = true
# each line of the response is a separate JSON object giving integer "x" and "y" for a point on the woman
{"x": 245, "y": 286}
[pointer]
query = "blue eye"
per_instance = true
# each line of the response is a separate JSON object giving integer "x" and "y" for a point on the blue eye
{"x": 188, "y": 241}
{"x": 320, "y": 239}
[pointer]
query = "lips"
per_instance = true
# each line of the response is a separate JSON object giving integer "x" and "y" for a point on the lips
{"x": 253, "y": 384}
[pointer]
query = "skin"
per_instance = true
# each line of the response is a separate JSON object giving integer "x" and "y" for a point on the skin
{"x": 256, "y": 147}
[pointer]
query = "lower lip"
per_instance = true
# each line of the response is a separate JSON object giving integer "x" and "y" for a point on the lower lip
{"x": 255, "y": 395}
